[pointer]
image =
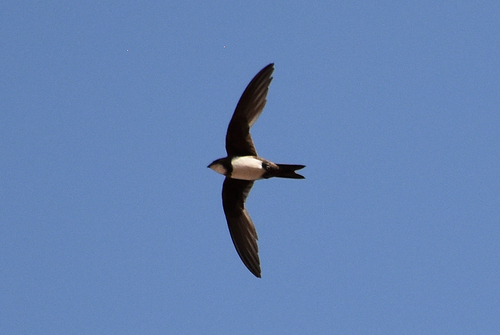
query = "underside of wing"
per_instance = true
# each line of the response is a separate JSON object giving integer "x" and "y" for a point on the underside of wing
{"x": 250, "y": 106}
{"x": 241, "y": 227}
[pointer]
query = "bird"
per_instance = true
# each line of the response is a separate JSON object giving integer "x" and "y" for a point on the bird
{"x": 242, "y": 166}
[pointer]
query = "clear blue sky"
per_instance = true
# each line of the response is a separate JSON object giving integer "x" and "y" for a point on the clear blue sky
{"x": 111, "y": 223}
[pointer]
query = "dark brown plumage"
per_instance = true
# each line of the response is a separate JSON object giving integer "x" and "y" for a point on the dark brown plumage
{"x": 242, "y": 162}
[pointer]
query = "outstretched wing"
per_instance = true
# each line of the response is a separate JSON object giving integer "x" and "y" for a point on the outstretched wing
{"x": 241, "y": 227}
{"x": 251, "y": 104}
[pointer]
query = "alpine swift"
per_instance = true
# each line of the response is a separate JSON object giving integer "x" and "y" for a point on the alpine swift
{"x": 243, "y": 166}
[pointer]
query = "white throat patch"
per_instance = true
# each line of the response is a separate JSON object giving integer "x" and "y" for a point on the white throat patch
{"x": 218, "y": 168}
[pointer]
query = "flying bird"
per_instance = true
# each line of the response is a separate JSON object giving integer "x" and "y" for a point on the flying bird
{"x": 243, "y": 166}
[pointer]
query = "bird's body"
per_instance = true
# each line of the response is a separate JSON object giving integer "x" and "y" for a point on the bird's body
{"x": 243, "y": 166}
{"x": 247, "y": 168}
{"x": 254, "y": 168}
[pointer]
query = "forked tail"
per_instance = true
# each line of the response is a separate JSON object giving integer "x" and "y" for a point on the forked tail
{"x": 288, "y": 171}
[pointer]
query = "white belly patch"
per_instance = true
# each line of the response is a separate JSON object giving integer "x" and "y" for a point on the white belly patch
{"x": 247, "y": 168}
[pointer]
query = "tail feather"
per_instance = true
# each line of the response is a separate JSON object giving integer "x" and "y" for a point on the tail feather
{"x": 288, "y": 171}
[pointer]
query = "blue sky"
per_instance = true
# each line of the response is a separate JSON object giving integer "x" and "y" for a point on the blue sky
{"x": 110, "y": 222}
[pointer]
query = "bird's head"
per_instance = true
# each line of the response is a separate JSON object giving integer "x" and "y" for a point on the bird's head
{"x": 219, "y": 166}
